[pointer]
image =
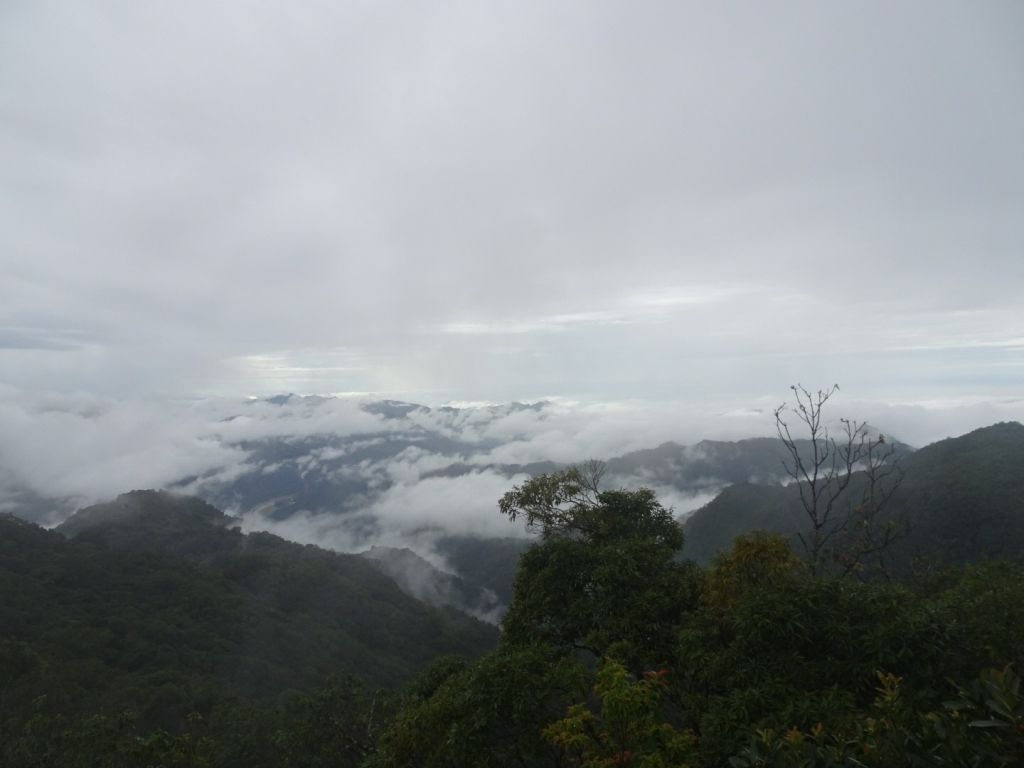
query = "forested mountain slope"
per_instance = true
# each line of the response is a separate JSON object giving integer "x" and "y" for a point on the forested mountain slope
{"x": 713, "y": 463}
{"x": 156, "y": 605}
{"x": 961, "y": 500}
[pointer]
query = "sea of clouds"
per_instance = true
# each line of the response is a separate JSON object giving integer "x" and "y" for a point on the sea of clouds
{"x": 400, "y": 475}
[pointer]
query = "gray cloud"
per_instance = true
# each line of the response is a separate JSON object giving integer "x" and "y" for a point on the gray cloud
{"x": 668, "y": 201}
{"x": 38, "y": 339}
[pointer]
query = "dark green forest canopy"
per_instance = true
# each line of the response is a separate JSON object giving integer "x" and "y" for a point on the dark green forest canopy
{"x": 754, "y": 661}
{"x": 158, "y": 606}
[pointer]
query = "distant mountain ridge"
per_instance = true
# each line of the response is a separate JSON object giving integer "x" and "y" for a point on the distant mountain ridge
{"x": 714, "y": 463}
{"x": 338, "y": 475}
{"x": 961, "y": 500}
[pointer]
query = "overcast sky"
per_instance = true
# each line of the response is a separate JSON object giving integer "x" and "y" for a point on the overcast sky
{"x": 512, "y": 200}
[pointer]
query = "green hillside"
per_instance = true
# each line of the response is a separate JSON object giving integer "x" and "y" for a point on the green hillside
{"x": 157, "y": 606}
{"x": 961, "y": 500}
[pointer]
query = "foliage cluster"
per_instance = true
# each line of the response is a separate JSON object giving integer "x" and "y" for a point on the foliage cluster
{"x": 616, "y": 652}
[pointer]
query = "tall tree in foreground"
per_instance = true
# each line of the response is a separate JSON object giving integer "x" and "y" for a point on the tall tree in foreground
{"x": 605, "y": 572}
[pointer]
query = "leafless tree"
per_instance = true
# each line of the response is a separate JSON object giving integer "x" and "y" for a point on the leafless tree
{"x": 839, "y": 528}
{"x": 866, "y": 538}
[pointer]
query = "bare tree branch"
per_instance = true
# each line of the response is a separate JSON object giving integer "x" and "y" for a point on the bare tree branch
{"x": 823, "y": 473}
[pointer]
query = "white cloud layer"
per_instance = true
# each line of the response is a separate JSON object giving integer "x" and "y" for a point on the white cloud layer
{"x": 497, "y": 201}
{"x": 399, "y": 470}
